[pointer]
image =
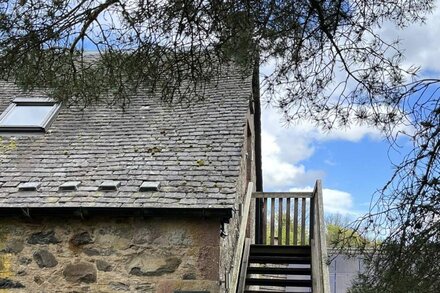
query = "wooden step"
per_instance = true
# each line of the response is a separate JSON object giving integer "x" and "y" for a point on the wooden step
{"x": 274, "y": 259}
{"x": 279, "y": 271}
{"x": 258, "y": 249}
{"x": 259, "y": 291}
{"x": 280, "y": 253}
{"x": 278, "y": 282}
{"x": 263, "y": 291}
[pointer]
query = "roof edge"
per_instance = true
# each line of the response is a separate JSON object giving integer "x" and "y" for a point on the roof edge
{"x": 86, "y": 212}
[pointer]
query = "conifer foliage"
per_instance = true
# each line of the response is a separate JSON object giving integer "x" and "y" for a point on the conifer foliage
{"x": 327, "y": 62}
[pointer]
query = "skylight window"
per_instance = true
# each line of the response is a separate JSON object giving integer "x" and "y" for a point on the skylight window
{"x": 28, "y": 115}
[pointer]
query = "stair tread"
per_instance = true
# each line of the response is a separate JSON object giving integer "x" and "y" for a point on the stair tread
{"x": 262, "y": 291}
{"x": 280, "y": 250}
{"x": 281, "y": 253}
{"x": 275, "y": 259}
{"x": 279, "y": 271}
{"x": 278, "y": 282}
{"x": 259, "y": 291}
{"x": 280, "y": 246}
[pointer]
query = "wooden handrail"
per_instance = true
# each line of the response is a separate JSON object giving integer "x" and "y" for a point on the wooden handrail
{"x": 320, "y": 275}
{"x": 244, "y": 265}
{"x": 238, "y": 255}
{"x": 282, "y": 194}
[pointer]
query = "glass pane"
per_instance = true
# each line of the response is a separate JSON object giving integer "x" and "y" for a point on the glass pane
{"x": 26, "y": 116}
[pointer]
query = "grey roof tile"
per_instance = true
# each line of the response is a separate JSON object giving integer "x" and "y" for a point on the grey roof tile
{"x": 192, "y": 150}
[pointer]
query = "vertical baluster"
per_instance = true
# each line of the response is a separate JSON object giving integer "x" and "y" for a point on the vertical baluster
{"x": 280, "y": 221}
{"x": 272, "y": 220}
{"x": 288, "y": 221}
{"x": 312, "y": 217}
{"x": 295, "y": 222}
{"x": 303, "y": 222}
{"x": 264, "y": 240}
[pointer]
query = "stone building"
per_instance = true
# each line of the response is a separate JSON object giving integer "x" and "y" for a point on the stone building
{"x": 141, "y": 199}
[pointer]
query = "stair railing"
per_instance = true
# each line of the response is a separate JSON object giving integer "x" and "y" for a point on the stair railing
{"x": 239, "y": 249}
{"x": 296, "y": 218}
{"x": 285, "y": 218}
{"x": 320, "y": 274}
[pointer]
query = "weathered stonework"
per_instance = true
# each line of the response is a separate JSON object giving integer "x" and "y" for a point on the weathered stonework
{"x": 46, "y": 237}
{"x": 109, "y": 255}
{"x": 44, "y": 259}
{"x": 9, "y": 284}
{"x": 102, "y": 265}
{"x": 81, "y": 239}
{"x": 81, "y": 272}
{"x": 231, "y": 230}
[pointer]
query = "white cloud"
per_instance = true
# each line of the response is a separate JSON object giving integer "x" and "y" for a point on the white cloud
{"x": 419, "y": 41}
{"x": 285, "y": 154}
{"x": 279, "y": 173}
{"x": 286, "y": 148}
{"x": 335, "y": 201}
{"x": 273, "y": 122}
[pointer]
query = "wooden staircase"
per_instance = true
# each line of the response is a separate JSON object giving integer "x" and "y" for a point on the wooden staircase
{"x": 290, "y": 254}
{"x": 273, "y": 268}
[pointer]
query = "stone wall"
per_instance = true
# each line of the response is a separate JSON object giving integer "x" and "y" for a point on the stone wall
{"x": 231, "y": 230}
{"x": 108, "y": 254}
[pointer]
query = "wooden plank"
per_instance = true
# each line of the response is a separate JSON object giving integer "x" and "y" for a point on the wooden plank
{"x": 280, "y": 271}
{"x": 244, "y": 266}
{"x": 275, "y": 259}
{"x": 304, "y": 194}
{"x": 288, "y": 221}
{"x": 241, "y": 238}
{"x": 303, "y": 222}
{"x": 258, "y": 221}
{"x": 278, "y": 282}
{"x": 316, "y": 278}
{"x": 264, "y": 220}
{"x": 280, "y": 250}
{"x": 320, "y": 232}
{"x": 312, "y": 219}
{"x": 280, "y": 221}
{"x": 272, "y": 220}
{"x": 295, "y": 222}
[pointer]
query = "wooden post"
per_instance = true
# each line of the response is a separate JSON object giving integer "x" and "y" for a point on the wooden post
{"x": 295, "y": 222}
{"x": 280, "y": 221}
{"x": 288, "y": 221}
{"x": 264, "y": 221}
{"x": 244, "y": 266}
{"x": 303, "y": 222}
{"x": 272, "y": 220}
{"x": 239, "y": 248}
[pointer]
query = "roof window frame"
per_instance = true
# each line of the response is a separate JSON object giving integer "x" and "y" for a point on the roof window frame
{"x": 50, "y": 117}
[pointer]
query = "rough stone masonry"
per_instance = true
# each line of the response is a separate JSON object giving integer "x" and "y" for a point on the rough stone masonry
{"x": 109, "y": 255}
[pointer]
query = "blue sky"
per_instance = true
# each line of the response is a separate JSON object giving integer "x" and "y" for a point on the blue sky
{"x": 353, "y": 163}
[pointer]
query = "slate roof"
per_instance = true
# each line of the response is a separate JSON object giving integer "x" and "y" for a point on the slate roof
{"x": 193, "y": 151}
